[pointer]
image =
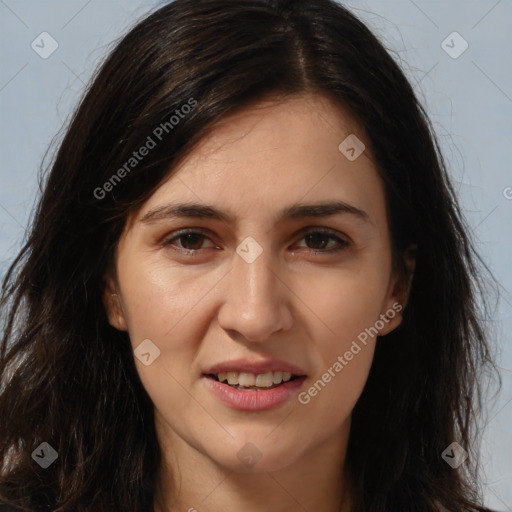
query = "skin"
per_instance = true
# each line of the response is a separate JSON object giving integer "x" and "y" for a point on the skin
{"x": 289, "y": 303}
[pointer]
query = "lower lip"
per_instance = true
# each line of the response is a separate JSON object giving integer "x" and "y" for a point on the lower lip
{"x": 257, "y": 400}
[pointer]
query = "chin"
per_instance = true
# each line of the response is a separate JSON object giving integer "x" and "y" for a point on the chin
{"x": 257, "y": 456}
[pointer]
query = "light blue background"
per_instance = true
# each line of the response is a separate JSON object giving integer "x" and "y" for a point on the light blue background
{"x": 469, "y": 100}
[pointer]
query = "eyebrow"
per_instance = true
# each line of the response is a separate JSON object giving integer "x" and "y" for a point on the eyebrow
{"x": 293, "y": 212}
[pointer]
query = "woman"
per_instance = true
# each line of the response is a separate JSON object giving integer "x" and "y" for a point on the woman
{"x": 247, "y": 282}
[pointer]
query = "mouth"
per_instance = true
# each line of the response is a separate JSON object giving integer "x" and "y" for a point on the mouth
{"x": 254, "y": 392}
{"x": 253, "y": 382}
{"x": 251, "y": 385}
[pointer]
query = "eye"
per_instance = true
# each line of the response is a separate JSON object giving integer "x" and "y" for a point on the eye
{"x": 191, "y": 240}
{"x": 320, "y": 238}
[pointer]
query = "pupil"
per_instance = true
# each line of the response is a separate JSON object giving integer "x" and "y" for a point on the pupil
{"x": 189, "y": 240}
{"x": 316, "y": 238}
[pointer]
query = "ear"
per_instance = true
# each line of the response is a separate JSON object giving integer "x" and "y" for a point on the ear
{"x": 112, "y": 304}
{"x": 398, "y": 294}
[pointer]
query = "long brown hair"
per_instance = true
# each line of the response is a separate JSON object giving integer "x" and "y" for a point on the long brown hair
{"x": 68, "y": 378}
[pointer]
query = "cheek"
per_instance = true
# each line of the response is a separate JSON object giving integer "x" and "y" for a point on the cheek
{"x": 159, "y": 300}
{"x": 344, "y": 350}
{"x": 172, "y": 308}
{"x": 166, "y": 306}
{"x": 345, "y": 307}
{"x": 344, "y": 303}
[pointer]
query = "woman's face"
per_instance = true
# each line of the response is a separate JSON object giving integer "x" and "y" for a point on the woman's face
{"x": 245, "y": 292}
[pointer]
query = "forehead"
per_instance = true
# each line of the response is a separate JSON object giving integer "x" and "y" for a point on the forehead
{"x": 305, "y": 124}
{"x": 275, "y": 153}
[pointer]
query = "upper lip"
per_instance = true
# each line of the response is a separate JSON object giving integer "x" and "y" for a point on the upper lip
{"x": 255, "y": 367}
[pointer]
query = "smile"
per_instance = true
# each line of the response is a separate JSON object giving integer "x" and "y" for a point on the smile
{"x": 243, "y": 396}
{"x": 245, "y": 380}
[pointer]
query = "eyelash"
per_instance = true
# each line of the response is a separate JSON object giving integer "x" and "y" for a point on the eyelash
{"x": 342, "y": 244}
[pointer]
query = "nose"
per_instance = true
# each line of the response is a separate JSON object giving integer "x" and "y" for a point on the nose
{"x": 256, "y": 304}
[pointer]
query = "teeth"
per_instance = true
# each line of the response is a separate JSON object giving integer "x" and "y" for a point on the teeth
{"x": 261, "y": 380}
{"x": 246, "y": 379}
{"x": 278, "y": 377}
{"x": 265, "y": 380}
